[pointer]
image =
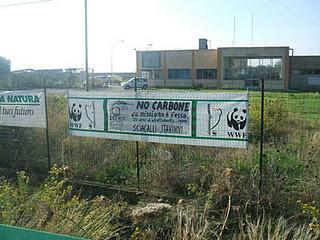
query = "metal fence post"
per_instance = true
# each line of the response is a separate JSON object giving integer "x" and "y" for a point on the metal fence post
{"x": 137, "y": 146}
{"x": 47, "y": 127}
{"x": 261, "y": 138}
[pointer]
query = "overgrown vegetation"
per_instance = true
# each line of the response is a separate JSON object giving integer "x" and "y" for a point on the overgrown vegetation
{"x": 220, "y": 186}
{"x": 54, "y": 207}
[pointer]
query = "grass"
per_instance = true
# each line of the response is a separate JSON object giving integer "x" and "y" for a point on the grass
{"x": 274, "y": 229}
{"x": 306, "y": 105}
{"x": 56, "y": 207}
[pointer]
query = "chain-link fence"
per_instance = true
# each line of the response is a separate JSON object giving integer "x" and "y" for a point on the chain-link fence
{"x": 291, "y": 144}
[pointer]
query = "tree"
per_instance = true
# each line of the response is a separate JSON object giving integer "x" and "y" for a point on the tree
{"x": 5, "y": 66}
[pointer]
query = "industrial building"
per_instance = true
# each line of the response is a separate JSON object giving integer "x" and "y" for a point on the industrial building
{"x": 230, "y": 68}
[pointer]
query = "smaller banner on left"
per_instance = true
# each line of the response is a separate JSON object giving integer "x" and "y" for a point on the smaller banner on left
{"x": 22, "y": 108}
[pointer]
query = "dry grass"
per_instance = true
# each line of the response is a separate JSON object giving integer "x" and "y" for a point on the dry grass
{"x": 274, "y": 229}
{"x": 52, "y": 207}
{"x": 192, "y": 223}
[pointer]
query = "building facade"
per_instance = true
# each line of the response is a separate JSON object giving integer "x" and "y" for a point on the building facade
{"x": 304, "y": 73}
{"x": 230, "y": 68}
{"x": 243, "y": 68}
{"x": 179, "y": 68}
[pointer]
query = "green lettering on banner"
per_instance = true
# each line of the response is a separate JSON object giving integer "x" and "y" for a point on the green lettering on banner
{"x": 105, "y": 111}
{"x": 2, "y": 98}
{"x": 21, "y": 99}
{"x": 36, "y": 99}
{"x": 10, "y": 98}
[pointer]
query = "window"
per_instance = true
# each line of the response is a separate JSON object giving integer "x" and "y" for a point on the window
{"x": 253, "y": 68}
{"x": 151, "y": 60}
{"x": 143, "y": 80}
{"x": 309, "y": 71}
{"x": 156, "y": 74}
{"x": 179, "y": 73}
{"x": 151, "y": 74}
{"x": 206, "y": 73}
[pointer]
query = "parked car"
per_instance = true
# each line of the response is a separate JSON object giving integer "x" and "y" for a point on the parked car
{"x": 141, "y": 83}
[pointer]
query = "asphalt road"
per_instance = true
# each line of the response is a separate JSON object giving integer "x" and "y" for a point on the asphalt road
{"x": 112, "y": 88}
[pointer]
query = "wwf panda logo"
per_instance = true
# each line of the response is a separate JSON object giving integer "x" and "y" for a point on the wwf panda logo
{"x": 237, "y": 119}
{"x": 75, "y": 112}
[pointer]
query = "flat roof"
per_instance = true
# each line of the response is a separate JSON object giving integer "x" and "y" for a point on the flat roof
{"x": 211, "y": 49}
{"x": 177, "y": 50}
{"x": 303, "y": 56}
{"x": 254, "y": 47}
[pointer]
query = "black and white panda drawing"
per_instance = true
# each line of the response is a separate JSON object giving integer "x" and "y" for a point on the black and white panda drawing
{"x": 237, "y": 119}
{"x": 75, "y": 112}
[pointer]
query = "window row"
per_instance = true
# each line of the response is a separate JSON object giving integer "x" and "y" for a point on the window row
{"x": 309, "y": 71}
{"x": 151, "y": 74}
{"x": 252, "y": 68}
{"x": 206, "y": 73}
{"x": 252, "y": 73}
{"x": 233, "y": 62}
{"x": 179, "y": 73}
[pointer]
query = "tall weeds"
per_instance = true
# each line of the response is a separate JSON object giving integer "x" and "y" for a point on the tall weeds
{"x": 274, "y": 229}
{"x": 53, "y": 207}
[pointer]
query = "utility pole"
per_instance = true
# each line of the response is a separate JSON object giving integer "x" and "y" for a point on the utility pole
{"x": 234, "y": 32}
{"x": 252, "y": 30}
{"x": 86, "y": 43}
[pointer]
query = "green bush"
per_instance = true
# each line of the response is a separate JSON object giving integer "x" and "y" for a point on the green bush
{"x": 279, "y": 123}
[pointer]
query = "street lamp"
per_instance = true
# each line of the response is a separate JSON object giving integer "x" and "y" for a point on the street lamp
{"x": 149, "y": 46}
{"x": 111, "y": 67}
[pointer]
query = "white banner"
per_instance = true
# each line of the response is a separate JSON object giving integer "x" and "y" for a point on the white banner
{"x": 86, "y": 114}
{"x": 204, "y": 119}
{"x": 222, "y": 120}
{"x": 158, "y": 117}
{"x": 22, "y": 109}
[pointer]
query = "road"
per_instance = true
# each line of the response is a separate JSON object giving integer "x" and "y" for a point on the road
{"x": 112, "y": 88}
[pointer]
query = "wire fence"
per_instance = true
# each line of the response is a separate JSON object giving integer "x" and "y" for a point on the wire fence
{"x": 291, "y": 134}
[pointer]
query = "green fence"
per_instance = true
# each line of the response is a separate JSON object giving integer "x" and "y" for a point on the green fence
{"x": 17, "y": 233}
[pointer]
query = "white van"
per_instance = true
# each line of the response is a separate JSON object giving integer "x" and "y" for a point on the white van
{"x": 141, "y": 83}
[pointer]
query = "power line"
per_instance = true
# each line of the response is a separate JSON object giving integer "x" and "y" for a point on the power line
{"x": 25, "y": 3}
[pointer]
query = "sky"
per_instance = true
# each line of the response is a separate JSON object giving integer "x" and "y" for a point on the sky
{"x": 51, "y": 34}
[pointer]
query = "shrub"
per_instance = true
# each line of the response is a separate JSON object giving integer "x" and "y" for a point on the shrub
{"x": 313, "y": 213}
{"x": 278, "y": 121}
